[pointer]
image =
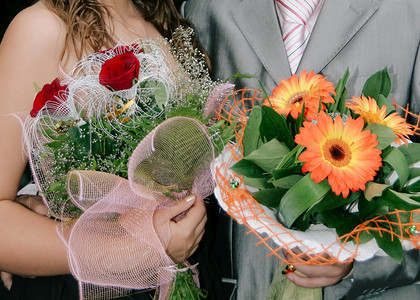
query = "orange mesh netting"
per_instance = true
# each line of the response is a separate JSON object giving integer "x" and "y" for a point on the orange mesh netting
{"x": 320, "y": 245}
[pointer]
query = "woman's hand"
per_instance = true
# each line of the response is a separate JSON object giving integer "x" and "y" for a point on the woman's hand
{"x": 186, "y": 233}
{"x": 317, "y": 275}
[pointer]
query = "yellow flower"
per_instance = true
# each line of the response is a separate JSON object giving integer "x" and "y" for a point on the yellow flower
{"x": 345, "y": 154}
{"x": 369, "y": 110}
{"x": 290, "y": 95}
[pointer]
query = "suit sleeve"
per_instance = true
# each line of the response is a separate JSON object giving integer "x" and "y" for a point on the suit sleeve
{"x": 380, "y": 278}
{"x": 414, "y": 101}
{"x": 415, "y": 85}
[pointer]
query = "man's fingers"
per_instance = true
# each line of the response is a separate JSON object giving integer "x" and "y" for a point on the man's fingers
{"x": 311, "y": 282}
{"x": 297, "y": 255}
{"x": 319, "y": 271}
{"x": 314, "y": 272}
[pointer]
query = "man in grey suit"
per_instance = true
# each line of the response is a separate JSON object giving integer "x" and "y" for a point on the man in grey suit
{"x": 245, "y": 36}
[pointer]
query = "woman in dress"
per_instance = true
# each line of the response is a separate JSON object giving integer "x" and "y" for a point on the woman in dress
{"x": 43, "y": 40}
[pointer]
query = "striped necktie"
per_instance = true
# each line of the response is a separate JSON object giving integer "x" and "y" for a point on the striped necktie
{"x": 295, "y": 14}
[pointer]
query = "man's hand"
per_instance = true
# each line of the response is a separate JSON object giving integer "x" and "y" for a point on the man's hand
{"x": 317, "y": 275}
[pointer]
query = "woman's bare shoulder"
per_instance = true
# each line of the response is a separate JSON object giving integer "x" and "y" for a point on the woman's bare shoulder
{"x": 36, "y": 25}
{"x": 29, "y": 52}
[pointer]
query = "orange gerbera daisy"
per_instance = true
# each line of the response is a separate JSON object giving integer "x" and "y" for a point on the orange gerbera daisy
{"x": 369, "y": 110}
{"x": 345, "y": 154}
{"x": 290, "y": 95}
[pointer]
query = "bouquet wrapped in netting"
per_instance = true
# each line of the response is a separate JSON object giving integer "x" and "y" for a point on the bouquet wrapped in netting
{"x": 112, "y": 147}
{"x": 326, "y": 177}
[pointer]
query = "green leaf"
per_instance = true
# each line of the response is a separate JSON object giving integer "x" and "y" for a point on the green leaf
{"x": 332, "y": 201}
{"x": 365, "y": 237}
{"x": 301, "y": 197}
{"x": 57, "y": 186}
{"x": 37, "y": 88}
{"x": 390, "y": 244}
{"x": 269, "y": 155}
{"x": 286, "y": 182}
{"x": 385, "y": 135}
{"x": 191, "y": 112}
{"x": 382, "y": 100}
{"x": 340, "y": 95}
{"x": 396, "y": 159}
{"x": 238, "y": 75}
{"x": 54, "y": 145}
{"x": 342, "y": 221}
{"x": 273, "y": 125}
{"x": 248, "y": 168}
{"x": 283, "y": 172}
{"x": 400, "y": 201}
{"x": 411, "y": 152}
{"x": 130, "y": 142}
{"x": 269, "y": 197}
{"x": 413, "y": 173}
{"x": 377, "y": 84}
{"x": 252, "y": 137}
{"x": 135, "y": 136}
{"x": 372, "y": 208}
{"x": 259, "y": 183}
{"x": 302, "y": 223}
{"x": 413, "y": 185}
{"x": 159, "y": 93}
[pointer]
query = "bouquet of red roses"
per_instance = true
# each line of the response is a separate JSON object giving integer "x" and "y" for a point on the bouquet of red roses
{"x": 121, "y": 137}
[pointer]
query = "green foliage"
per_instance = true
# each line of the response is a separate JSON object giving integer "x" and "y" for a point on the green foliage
{"x": 377, "y": 84}
{"x": 183, "y": 286}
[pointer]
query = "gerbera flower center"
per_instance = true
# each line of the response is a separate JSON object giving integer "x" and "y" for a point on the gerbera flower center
{"x": 297, "y": 98}
{"x": 337, "y": 152}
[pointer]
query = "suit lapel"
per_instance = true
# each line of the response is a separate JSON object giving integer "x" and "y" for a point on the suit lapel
{"x": 257, "y": 19}
{"x": 338, "y": 22}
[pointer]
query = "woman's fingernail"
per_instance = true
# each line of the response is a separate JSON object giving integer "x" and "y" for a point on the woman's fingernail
{"x": 190, "y": 198}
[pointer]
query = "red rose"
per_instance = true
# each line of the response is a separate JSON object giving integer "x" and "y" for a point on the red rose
{"x": 118, "y": 73}
{"x": 49, "y": 92}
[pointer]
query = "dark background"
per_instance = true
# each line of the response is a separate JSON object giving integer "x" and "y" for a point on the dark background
{"x": 9, "y": 9}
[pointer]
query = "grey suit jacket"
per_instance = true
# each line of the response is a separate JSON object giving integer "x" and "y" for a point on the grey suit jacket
{"x": 244, "y": 36}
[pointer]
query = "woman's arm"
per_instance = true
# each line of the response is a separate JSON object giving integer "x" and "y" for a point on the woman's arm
{"x": 29, "y": 52}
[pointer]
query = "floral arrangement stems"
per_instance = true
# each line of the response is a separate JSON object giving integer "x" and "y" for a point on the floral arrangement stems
{"x": 184, "y": 287}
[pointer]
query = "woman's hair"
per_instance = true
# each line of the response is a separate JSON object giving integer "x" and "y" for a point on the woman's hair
{"x": 87, "y": 30}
